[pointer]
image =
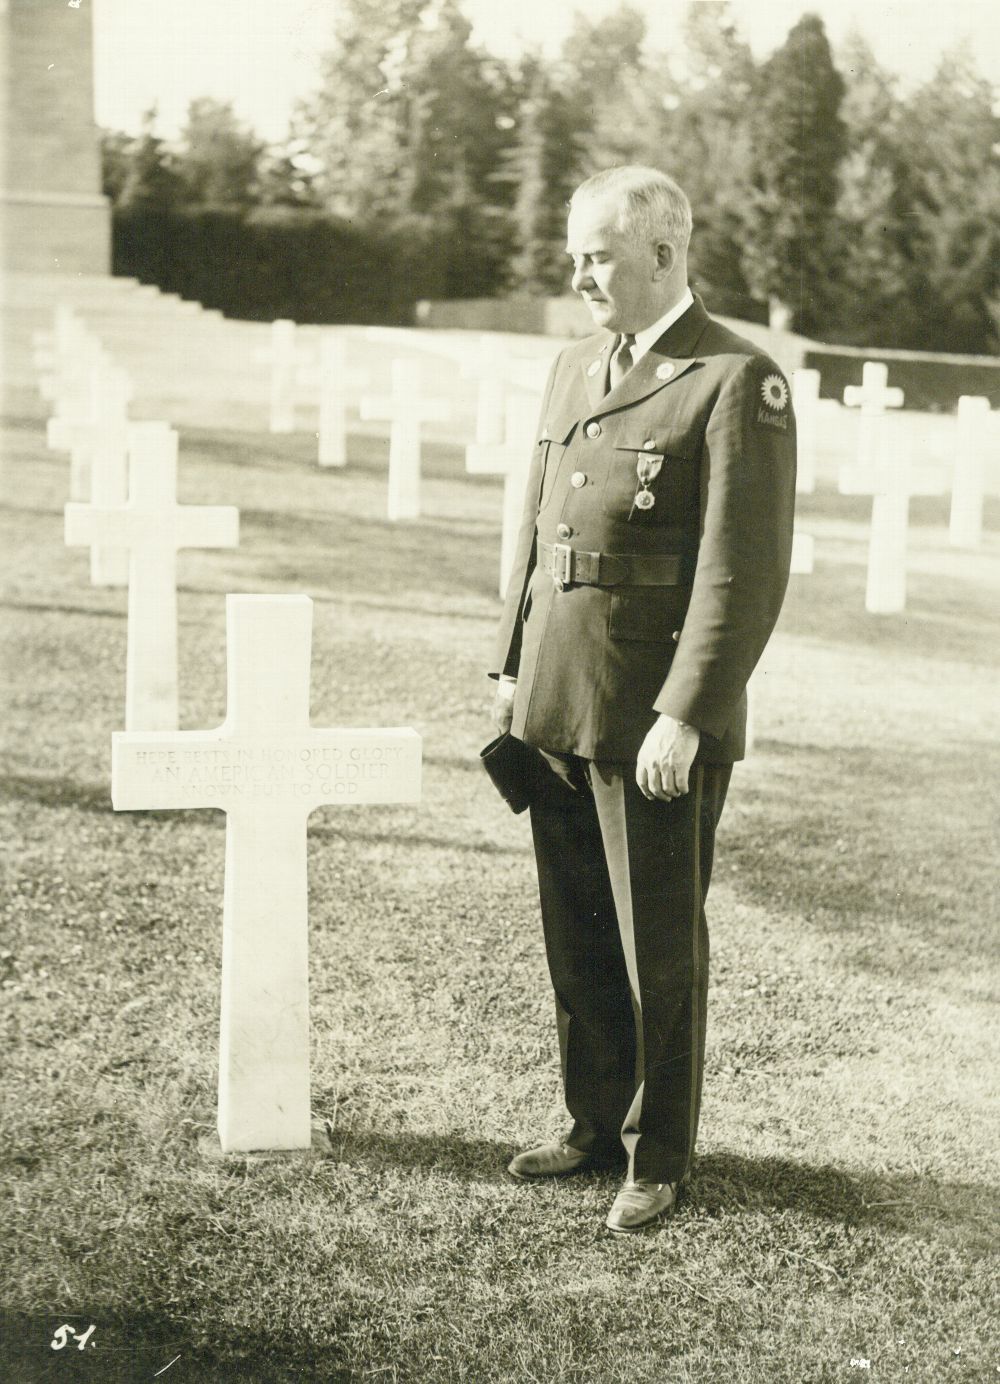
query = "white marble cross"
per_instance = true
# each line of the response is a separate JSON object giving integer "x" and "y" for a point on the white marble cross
{"x": 338, "y": 384}
{"x": 267, "y": 769}
{"x": 405, "y": 409}
{"x": 873, "y": 396}
{"x": 511, "y": 459}
{"x": 487, "y": 363}
{"x": 805, "y": 399}
{"x": 886, "y": 474}
{"x": 284, "y": 361}
{"x": 152, "y": 526}
{"x": 60, "y": 354}
{"x": 975, "y": 423}
{"x": 98, "y": 448}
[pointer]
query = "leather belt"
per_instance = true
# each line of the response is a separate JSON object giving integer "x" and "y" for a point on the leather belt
{"x": 569, "y": 566}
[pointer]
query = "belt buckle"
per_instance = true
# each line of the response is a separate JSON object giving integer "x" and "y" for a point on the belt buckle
{"x": 562, "y": 565}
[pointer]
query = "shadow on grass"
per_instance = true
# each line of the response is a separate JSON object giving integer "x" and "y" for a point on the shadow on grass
{"x": 473, "y": 1160}
{"x": 367, "y": 452}
{"x": 729, "y": 1183}
{"x": 125, "y": 1348}
{"x": 47, "y": 608}
{"x": 946, "y": 618}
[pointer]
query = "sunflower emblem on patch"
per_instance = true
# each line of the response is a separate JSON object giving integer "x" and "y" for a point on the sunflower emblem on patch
{"x": 774, "y": 392}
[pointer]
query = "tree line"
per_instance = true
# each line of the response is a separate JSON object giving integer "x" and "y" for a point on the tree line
{"x": 821, "y": 193}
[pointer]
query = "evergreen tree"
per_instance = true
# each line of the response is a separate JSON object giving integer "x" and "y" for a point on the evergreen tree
{"x": 219, "y": 157}
{"x": 709, "y": 146}
{"x": 151, "y": 179}
{"x": 798, "y": 141}
{"x": 116, "y": 156}
{"x": 877, "y": 298}
{"x": 950, "y": 139}
{"x": 544, "y": 166}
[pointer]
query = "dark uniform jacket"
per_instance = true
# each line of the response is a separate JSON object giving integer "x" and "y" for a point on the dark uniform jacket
{"x": 596, "y": 662}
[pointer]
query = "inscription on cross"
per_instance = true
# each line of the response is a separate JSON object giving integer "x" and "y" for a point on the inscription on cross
{"x": 152, "y": 526}
{"x": 267, "y": 768}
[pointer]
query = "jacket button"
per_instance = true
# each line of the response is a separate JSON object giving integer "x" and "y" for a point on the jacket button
{"x": 676, "y": 636}
{"x": 563, "y": 531}
{"x": 593, "y": 429}
{"x": 577, "y": 480}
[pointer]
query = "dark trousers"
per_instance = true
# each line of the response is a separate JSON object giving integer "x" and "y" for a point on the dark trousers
{"x": 622, "y": 882}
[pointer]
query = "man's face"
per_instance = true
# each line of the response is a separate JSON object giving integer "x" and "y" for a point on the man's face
{"x": 613, "y": 273}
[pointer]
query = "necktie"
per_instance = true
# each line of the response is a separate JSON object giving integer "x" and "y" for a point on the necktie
{"x": 621, "y": 361}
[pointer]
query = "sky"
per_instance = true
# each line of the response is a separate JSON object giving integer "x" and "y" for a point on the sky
{"x": 262, "y": 54}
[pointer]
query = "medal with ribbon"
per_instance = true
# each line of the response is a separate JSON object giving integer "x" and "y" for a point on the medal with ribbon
{"x": 647, "y": 468}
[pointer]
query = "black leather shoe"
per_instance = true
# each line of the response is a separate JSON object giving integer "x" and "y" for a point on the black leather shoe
{"x": 550, "y": 1160}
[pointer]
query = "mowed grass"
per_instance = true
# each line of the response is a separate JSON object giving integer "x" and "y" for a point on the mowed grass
{"x": 843, "y": 1208}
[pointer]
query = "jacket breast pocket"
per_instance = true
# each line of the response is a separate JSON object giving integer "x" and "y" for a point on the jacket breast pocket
{"x": 648, "y": 614}
{"x": 552, "y": 459}
{"x": 648, "y": 484}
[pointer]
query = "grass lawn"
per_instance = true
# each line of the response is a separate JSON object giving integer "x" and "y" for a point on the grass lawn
{"x": 843, "y": 1209}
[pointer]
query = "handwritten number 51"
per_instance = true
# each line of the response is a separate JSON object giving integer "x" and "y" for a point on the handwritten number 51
{"x": 61, "y": 1339}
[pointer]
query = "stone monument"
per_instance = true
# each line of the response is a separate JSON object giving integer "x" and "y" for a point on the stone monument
{"x": 55, "y": 218}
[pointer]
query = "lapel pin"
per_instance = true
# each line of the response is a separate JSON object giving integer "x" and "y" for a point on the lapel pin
{"x": 664, "y": 371}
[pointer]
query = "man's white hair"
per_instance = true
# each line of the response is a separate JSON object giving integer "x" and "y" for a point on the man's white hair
{"x": 651, "y": 206}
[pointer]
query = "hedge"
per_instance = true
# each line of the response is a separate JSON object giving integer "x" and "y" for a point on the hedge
{"x": 284, "y": 262}
{"x": 933, "y": 383}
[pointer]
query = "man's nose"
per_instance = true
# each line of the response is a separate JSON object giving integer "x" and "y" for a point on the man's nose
{"x": 581, "y": 279}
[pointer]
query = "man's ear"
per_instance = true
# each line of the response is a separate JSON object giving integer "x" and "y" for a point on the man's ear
{"x": 666, "y": 259}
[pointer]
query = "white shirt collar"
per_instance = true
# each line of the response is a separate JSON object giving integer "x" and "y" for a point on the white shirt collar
{"x": 651, "y": 335}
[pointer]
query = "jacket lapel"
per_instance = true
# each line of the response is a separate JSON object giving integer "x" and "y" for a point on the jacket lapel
{"x": 595, "y": 371}
{"x": 669, "y": 358}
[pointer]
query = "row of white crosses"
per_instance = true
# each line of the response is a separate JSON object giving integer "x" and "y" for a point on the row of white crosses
{"x": 265, "y": 766}
{"x": 891, "y": 478}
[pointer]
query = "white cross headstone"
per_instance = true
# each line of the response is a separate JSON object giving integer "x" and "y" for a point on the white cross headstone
{"x": 152, "y": 526}
{"x": 283, "y": 362}
{"x": 487, "y": 364}
{"x": 873, "y": 396}
{"x": 885, "y": 473}
{"x": 805, "y": 399}
{"x": 965, "y": 528}
{"x": 511, "y": 459}
{"x": 405, "y": 410}
{"x": 338, "y": 384}
{"x": 98, "y": 450}
{"x": 56, "y": 354}
{"x": 267, "y": 769}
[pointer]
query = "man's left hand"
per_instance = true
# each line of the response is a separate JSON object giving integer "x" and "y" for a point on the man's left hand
{"x": 665, "y": 758}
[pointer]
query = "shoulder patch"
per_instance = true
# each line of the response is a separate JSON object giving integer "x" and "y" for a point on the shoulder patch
{"x": 772, "y": 402}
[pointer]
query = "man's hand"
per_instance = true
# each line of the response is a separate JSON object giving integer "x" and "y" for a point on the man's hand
{"x": 665, "y": 757}
{"x": 503, "y": 704}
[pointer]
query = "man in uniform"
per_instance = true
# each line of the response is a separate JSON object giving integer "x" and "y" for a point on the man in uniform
{"x": 650, "y": 570}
